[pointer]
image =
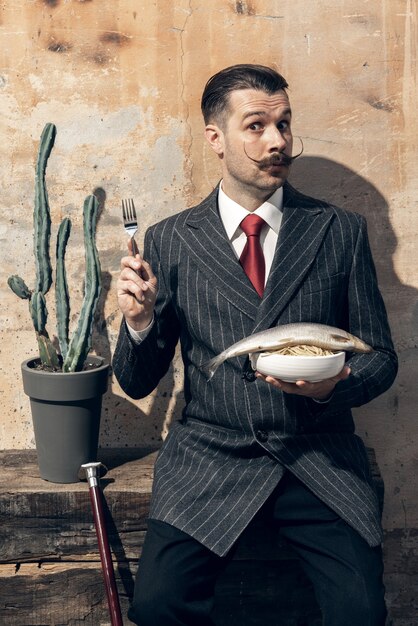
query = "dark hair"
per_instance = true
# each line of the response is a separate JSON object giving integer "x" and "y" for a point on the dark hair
{"x": 215, "y": 98}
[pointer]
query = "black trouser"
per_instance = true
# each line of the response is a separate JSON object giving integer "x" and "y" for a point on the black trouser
{"x": 177, "y": 575}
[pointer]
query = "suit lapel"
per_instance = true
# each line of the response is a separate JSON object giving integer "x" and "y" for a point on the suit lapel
{"x": 208, "y": 245}
{"x": 303, "y": 228}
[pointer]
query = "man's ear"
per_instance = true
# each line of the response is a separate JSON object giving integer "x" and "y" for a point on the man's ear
{"x": 215, "y": 138}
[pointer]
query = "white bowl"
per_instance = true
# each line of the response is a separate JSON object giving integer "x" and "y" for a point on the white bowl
{"x": 292, "y": 368}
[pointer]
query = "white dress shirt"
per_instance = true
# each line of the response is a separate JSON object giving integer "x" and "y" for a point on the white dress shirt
{"x": 232, "y": 214}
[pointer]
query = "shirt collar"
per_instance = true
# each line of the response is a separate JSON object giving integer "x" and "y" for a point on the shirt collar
{"x": 232, "y": 213}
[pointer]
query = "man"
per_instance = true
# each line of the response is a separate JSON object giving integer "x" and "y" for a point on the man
{"x": 248, "y": 443}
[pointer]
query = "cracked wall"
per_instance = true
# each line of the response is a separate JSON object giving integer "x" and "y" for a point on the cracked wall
{"x": 122, "y": 81}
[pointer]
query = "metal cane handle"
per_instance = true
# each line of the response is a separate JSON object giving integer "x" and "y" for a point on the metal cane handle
{"x": 93, "y": 471}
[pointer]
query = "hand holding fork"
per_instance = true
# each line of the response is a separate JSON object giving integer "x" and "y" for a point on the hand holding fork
{"x": 137, "y": 285}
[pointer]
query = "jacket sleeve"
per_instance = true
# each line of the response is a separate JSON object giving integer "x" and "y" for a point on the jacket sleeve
{"x": 139, "y": 367}
{"x": 371, "y": 374}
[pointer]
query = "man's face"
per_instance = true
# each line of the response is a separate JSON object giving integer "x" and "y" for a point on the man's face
{"x": 255, "y": 128}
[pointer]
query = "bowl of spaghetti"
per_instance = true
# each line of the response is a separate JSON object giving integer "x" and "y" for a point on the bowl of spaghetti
{"x": 299, "y": 363}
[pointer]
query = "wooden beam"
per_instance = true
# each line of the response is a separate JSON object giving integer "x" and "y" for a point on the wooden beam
{"x": 50, "y": 571}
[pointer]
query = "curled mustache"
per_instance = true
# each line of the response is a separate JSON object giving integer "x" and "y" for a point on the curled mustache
{"x": 277, "y": 158}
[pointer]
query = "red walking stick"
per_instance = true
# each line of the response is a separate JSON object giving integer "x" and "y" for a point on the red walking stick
{"x": 93, "y": 478}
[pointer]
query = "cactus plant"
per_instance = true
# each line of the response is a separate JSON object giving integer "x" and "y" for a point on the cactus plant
{"x": 72, "y": 353}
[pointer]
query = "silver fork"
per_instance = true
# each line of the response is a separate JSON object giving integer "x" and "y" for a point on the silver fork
{"x": 130, "y": 222}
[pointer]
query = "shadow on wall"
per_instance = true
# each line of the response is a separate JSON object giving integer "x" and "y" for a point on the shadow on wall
{"x": 335, "y": 183}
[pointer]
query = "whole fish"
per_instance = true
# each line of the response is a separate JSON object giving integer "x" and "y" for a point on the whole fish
{"x": 320, "y": 335}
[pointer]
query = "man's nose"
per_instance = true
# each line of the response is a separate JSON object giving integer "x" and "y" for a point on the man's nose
{"x": 276, "y": 139}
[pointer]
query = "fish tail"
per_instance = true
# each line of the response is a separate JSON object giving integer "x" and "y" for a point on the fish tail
{"x": 210, "y": 367}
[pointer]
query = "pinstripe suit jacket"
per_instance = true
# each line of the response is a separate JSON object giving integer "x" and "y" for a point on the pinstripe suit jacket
{"x": 221, "y": 462}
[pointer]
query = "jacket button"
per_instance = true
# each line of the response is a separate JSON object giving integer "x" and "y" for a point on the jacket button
{"x": 262, "y": 436}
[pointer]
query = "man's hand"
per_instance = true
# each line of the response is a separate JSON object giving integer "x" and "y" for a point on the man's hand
{"x": 318, "y": 391}
{"x": 137, "y": 291}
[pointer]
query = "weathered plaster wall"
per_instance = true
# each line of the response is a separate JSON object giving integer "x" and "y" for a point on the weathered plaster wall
{"x": 122, "y": 82}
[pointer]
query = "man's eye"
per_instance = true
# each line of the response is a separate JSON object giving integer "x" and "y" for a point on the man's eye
{"x": 283, "y": 125}
{"x": 255, "y": 126}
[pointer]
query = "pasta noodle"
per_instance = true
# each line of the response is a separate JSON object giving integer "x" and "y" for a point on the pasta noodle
{"x": 303, "y": 350}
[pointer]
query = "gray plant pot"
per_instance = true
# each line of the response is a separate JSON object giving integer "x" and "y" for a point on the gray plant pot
{"x": 66, "y": 411}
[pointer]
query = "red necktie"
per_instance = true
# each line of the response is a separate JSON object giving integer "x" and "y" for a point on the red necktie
{"x": 252, "y": 257}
